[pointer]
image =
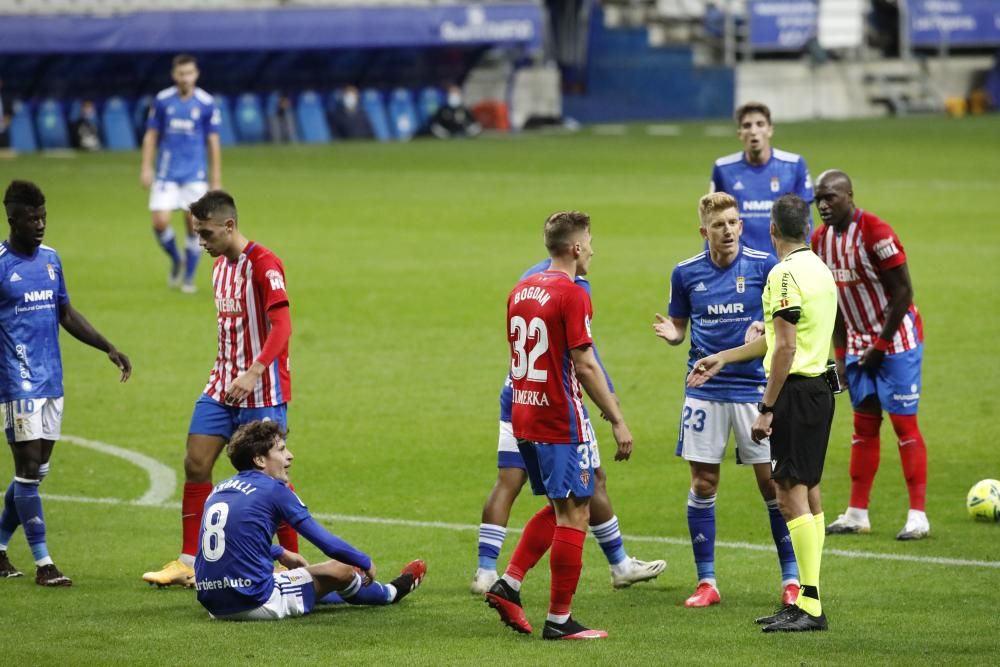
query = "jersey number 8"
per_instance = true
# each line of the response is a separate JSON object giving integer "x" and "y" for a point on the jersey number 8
{"x": 523, "y": 362}
{"x": 213, "y": 542}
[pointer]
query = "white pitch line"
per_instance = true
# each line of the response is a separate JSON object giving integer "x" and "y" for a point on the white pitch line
{"x": 464, "y": 527}
{"x": 162, "y": 480}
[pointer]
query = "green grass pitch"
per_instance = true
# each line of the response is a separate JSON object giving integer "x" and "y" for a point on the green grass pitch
{"x": 399, "y": 259}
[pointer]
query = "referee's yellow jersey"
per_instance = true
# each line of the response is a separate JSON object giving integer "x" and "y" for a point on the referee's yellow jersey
{"x": 800, "y": 289}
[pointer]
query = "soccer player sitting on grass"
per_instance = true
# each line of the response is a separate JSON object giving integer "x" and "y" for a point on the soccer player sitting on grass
{"x": 234, "y": 570}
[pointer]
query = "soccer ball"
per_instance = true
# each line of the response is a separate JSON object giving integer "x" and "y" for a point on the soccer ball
{"x": 983, "y": 501}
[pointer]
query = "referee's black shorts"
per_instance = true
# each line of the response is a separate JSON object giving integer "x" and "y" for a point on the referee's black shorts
{"x": 800, "y": 430}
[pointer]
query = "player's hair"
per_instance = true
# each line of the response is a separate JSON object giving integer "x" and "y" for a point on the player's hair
{"x": 22, "y": 193}
{"x": 251, "y": 440}
{"x": 214, "y": 203}
{"x": 184, "y": 59}
{"x": 790, "y": 215}
{"x": 753, "y": 107}
{"x": 561, "y": 226}
{"x": 714, "y": 202}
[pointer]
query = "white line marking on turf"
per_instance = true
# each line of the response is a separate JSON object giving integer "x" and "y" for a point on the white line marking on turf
{"x": 162, "y": 479}
{"x": 463, "y": 527}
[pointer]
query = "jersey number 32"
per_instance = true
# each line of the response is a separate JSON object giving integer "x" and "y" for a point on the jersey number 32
{"x": 523, "y": 362}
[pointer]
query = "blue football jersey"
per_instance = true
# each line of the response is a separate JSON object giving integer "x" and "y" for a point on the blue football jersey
{"x": 721, "y": 304}
{"x": 183, "y": 126}
{"x": 32, "y": 292}
{"x": 755, "y": 188}
{"x": 507, "y": 392}
{"x": 234, "y": 568}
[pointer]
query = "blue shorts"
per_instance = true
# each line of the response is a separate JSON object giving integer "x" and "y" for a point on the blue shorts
{"x": 896, "y": 383}
{"x": 558, "y": 471}
{"x": 213, "y": 418}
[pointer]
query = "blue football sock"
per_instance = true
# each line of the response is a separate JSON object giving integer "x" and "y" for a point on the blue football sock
{"x": 331, "y": 598}
{"x": 9, "y": 520}
{"x": 169, "y": 245}
{"x": 782, "y": 540}
{"x": 609, "y": 537}
{"x": 491, "y": 539}
{"x": 192, "y": 252}
{"x": 372, "y": 594}
{"x": 29, "y": 509}
{"x": 701, "y": 523}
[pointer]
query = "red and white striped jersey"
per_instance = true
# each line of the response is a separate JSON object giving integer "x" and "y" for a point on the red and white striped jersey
{"x": 244, "y": 291}
{"x": 857, "y": 257}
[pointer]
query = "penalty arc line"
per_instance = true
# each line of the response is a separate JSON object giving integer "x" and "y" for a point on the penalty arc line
{"x": 163, "y": 481}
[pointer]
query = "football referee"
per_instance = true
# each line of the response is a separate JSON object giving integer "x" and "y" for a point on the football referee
{"x": 796, "y": 410}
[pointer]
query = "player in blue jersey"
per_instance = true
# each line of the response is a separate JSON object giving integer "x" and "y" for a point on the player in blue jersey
{"x": 511, "y": 476}
{"x": 183, "y": 124}
{"x": 719, "y": 292}
{"x": 33, "y": 304}
{"x": 759, "y": 174}
{"x": 234, "y": 570}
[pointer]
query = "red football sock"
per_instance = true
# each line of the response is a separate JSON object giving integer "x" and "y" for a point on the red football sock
{"x": 913, "y": 454}
{"x": 192, "y": 507}
{"x": 535, "y": 541}
{"x": 864, "y": 457}
{"x": 566, "y": 561}
{"x": 287, "y": 537}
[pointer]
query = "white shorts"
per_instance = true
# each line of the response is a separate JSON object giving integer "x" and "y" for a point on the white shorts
{"x": 509, "y": 456}
{"x": 33, "y": 419}
{"x": 705, "y": 427}
{"x": 174, "y": 196}
{"x": 289, "y": 598}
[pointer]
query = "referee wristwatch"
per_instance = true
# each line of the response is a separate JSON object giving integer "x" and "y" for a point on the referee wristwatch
{"x": 763, "y": 408}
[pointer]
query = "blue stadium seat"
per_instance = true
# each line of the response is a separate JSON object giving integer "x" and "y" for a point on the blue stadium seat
{"x": 74, "y": 111}
{"x": 140, "y": 112}
{"x": 227, "y": 135}
{"x": 402, "y": 115}
{"x": 116, "y": 125}
{"x": 311, "y": 119}
{"x": 371, "y": 102}
{"x": 51, "y": 125}
{"x": 22, "y": 130}
{"x": 431, "y": 100}
{"x": 251, "y": 126}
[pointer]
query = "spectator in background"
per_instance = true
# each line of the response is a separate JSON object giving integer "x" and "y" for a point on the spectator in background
{"x": 348, "y": 120}
{"x": 4, "y": 124}
{"x": 454, "y": 119}
{"x": 83, "y": 132}
{"x": 281, "y": 122}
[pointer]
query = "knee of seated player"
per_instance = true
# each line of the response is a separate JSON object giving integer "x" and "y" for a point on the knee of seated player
{"x": 331, "y": 575}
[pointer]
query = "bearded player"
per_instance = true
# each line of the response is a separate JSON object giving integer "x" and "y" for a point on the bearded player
{"x": 250, "y": 380}
{"x": 879, "y": 344}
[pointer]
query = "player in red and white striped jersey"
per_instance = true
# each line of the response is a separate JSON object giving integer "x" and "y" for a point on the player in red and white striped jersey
{"x": 250, "y": 380}
{"x": 879, "y": 347}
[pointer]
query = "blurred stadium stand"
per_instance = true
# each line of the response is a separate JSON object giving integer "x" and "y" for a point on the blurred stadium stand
{"x": 608, "y": 61}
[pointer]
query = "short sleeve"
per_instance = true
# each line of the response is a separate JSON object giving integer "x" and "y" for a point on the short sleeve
{"x": 883, "y": 245}
{"x": 154, "y": 121}
{"x": 213, "y": 118}
{"x": 63, "y": 296}
{"x": 803, "y": 182}
{"x": 679, "y": 304}
{"x": 269, "y": 276}
{"x": 577, "y": 311}
{"x": 289, "y": 505}
{"x": 716, "y": 184}
{"x": 785, "y": 295}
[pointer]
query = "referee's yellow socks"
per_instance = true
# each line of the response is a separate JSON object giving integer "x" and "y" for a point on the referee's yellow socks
{"x": 808, "y": 551}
